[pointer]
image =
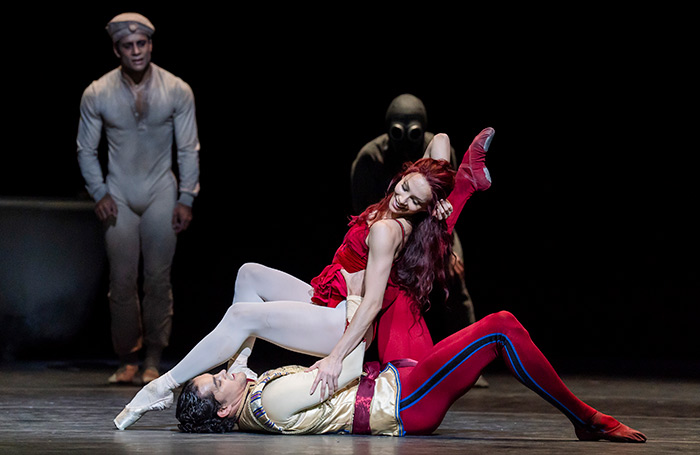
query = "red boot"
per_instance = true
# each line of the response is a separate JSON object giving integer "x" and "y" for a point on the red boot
{"x": 472, "y": 174}
{"x": 474, "y": 162}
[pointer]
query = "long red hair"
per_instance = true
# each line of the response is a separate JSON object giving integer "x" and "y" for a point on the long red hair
{"x": 425, "y": 258}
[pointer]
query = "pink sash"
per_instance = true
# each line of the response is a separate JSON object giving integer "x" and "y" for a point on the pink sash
{"x": 365, "y": 392}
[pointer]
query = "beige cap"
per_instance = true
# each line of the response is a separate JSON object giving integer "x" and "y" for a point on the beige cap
{"x": 127, "y": 23}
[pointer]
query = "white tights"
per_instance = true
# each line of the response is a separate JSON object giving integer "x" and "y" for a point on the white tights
{"x": 271, "y": 305}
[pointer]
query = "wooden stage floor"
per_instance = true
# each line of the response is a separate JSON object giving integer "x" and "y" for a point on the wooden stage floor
{"x": 66, "y": 407}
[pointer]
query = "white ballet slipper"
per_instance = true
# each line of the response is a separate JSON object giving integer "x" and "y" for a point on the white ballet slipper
{"x": 155, "y": 396}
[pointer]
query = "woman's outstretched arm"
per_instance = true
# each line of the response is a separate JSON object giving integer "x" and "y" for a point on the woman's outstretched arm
{"x": 384, "y": 240}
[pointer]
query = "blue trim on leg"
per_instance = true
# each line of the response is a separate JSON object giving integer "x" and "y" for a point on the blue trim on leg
{"x": 521, "y": 373}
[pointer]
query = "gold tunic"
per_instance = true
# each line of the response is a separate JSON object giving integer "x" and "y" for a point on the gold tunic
{"x": 334, "y": 415}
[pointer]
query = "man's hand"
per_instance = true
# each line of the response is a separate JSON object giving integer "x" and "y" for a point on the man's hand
{"x": 106, "y": 208}
{"x": 182, "y": 215}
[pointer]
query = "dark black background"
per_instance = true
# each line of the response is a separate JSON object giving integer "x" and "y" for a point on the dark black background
{"x": 588, "y": 234}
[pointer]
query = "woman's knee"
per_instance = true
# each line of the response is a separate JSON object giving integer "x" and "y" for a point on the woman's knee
{"x": 248, "y": 272}
{"x": 508, "y": 322}
{"x": 247, "y": 280}
{"x": 244, "y": 317}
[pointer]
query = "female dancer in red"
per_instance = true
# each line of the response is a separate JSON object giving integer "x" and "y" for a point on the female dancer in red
{"x": 401, "y": 331}
{"x": 392, "y": 239}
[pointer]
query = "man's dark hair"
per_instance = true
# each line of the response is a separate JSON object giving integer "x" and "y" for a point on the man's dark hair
{"x": 197, "y": 413}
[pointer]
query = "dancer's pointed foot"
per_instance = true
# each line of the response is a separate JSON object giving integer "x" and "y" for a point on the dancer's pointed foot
{"x": 155, "y": 396}
{"x": 603, "y": 426}
{"x": 476, "y": 159}
{"x": 130, "y": 414}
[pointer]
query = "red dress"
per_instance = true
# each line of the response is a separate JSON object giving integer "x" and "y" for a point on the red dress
{"x": 329, "y": 286}
{"x": 398, "y": 331}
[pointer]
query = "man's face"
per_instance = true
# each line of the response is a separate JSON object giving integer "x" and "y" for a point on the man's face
{"x": 134, "y": 51}
{"x": 227, "y": 388}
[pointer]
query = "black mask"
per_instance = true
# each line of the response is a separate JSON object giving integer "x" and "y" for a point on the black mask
{"x": 406, "y": 120}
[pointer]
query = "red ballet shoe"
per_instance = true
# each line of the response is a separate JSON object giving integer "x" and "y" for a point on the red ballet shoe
{"x": 603, "y": 426}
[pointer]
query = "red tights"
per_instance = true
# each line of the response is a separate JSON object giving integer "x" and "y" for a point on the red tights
{"x": 453, "y": 366}
{"x": 400, "y": 334}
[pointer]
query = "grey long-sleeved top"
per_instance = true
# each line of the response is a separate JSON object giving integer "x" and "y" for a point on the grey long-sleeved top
{"x": 140, "y": 123}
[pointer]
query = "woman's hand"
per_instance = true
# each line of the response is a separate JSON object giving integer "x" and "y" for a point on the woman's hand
{"x": 329, "y": 369}
{"x": 443, "y": 209}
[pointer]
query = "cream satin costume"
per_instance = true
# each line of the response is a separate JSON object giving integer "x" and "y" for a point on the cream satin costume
{"x": 279, "y": 401}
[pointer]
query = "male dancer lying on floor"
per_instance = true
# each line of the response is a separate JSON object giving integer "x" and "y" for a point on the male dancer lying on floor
{"x": 388, "y": 401}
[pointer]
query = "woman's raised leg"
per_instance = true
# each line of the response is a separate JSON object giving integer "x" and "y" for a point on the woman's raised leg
{"x": 258, "y": 283}
{"x": 472, "y": 175}
{"x": 298, "y": 326}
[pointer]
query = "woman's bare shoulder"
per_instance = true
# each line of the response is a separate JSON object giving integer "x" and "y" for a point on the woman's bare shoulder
{"x": 390, "y": 230}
